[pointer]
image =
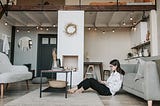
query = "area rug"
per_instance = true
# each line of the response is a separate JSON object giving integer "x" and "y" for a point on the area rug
{"x": 57, "y": 99}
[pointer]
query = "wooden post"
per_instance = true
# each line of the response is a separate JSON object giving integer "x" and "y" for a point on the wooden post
{"x": 2, "y": 89}
{"x": 27, "y": 85}
{"x": 149, "y": 103}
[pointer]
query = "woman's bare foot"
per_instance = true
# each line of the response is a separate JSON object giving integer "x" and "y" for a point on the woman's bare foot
{"x": 73, "y": 90}
{"x": 79, "y": 90}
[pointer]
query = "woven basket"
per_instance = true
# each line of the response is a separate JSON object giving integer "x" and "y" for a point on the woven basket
{"x": 57, "y": 84}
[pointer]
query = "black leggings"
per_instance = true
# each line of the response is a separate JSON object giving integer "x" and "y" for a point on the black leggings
{"x": 94, "y": 84}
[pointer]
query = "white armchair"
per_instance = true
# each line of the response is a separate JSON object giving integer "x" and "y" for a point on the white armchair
{"x": 11, "y": 73}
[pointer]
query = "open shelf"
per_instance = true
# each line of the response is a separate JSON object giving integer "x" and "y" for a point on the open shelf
{"x": 141, "y": 45}
{"x": 70, "y": 62}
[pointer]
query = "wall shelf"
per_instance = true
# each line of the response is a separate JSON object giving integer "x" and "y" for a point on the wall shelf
{"x": 141, "y": 45}
{"x": 70, "y": 62}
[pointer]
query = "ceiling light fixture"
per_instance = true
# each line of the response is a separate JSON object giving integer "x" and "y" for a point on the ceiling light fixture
{"x": 47, "y": 29}
{"x": 95, "y": 29}
{"x": 89, "y": 28}
{"x": 28, "y": 31}
{"x": 113, "y": 30}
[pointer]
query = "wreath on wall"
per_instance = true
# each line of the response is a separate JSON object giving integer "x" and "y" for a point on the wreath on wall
{"x": 70, "y": 29}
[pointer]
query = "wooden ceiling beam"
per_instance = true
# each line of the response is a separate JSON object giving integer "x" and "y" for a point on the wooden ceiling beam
{"x": 82, "y": 7}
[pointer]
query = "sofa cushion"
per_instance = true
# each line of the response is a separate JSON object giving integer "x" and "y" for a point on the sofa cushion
{"x": 9, "y": 77}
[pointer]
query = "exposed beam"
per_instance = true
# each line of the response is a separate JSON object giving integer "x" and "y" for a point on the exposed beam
{"x": 110, "y": 21}
{"x": 17, "y": 18}
{"x": 2, "y": 11}
{"x": 82, "y": 7}
{"x": 32, "y": 18}
{"x": 48, "y": 18}
{"x": 95, "y": 20}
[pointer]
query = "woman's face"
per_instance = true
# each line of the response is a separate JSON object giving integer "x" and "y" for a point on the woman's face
{"x": 113, "y": 68}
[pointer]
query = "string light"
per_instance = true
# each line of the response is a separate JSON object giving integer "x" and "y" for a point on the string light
{"x": 41, "y": 28}
{"x": 37, "y": 27}
{"x": 17, "y": 30}
{"x": 54, "y": 25}
{"x": 124, "y": 23}
{"x": 6, "y": 23}
{"x": 131, "y": 18}
{"x": 103, "y": 32}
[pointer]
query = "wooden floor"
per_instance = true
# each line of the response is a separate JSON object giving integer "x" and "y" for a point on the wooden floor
{"x": 123, "y": 98}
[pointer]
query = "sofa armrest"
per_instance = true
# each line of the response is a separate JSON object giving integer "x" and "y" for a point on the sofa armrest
{"x": 151, "y": 82}
{"x": 20, "y": 68}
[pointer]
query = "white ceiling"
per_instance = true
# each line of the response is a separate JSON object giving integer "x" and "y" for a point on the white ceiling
{"x": 92, "y": 19}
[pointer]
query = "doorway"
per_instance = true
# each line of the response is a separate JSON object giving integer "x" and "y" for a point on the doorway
{"x": 46, "y": 43}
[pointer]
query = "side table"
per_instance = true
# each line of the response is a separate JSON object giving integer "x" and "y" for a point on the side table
{"x": 52, "y": 89}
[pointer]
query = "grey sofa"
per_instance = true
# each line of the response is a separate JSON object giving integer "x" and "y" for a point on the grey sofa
{"x": 142, "y": 79}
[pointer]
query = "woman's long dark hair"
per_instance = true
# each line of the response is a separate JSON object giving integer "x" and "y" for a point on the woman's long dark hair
{"x": 115, "y": 62}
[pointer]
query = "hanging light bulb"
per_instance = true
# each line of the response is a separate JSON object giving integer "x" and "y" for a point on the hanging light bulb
{"x": 41, "y": 28}
{"x": 124, "y": 23}
{"x": 17, "y": 30}
{"x": 6, "y": 23}
{"x": 95, "y": 29}
{"x": 37, "y": 27}
{"x": 89, "y": 28}
{"x": 54, "y": 25}
{"x": 131, "y": 18}
{"x": 113, "y": 30}
{"x": 134, "y": 23}
{"x": 103, "y": 32}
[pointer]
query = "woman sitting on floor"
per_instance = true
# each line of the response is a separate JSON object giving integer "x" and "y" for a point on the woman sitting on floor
{"x": 109, "y": 87}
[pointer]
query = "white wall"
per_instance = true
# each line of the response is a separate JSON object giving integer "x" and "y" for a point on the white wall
{"x": 5, "y": 29}
{"x": 138, "y": 36}
{"x": 24, "y": 57}
{"x": 108, "y": 46}
{"x": 154, "y": 33}
{"x": 158, "y": 27}
{"x": 71, "y": 45}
